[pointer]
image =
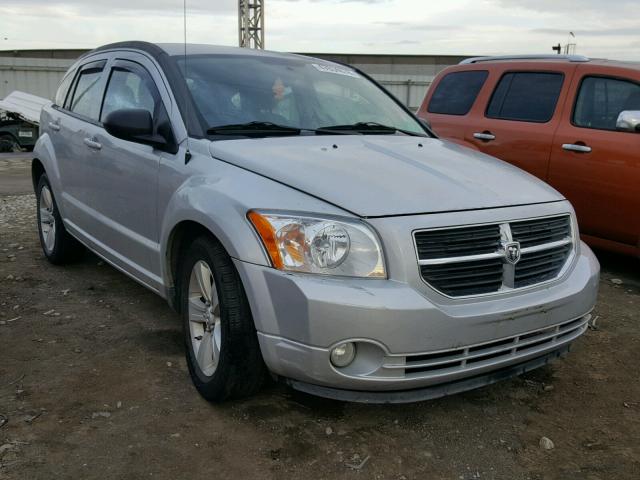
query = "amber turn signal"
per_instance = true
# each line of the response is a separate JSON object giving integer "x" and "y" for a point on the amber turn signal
{"x": 268, "y": 236}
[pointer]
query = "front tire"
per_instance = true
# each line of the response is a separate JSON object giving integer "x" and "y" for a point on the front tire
{"x": 222, "y": 350}
{"x": 8, "y": 144}
{"x": 58, "y": 246}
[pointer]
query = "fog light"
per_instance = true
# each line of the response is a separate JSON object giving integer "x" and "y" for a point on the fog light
{"x": 343, "y": 354}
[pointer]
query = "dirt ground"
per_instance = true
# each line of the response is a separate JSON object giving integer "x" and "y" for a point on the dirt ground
{"x": 94, "y": 385}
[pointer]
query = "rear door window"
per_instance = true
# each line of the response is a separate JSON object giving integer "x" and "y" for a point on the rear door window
{"x": 601, "y": 99}
{"x": 526, "y": 96}
{"x": 456, "y": 92}
{"x": 87, "y": 93}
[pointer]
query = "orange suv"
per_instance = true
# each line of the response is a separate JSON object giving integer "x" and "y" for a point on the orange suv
{"x": 569, "y": 120}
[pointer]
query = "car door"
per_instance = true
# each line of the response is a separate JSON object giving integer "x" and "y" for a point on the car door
{"x": 124, "y": 181}
{"x": 70, "y": 127}
{"x": 519, "y": 118}
{"x": 595, "y": 166}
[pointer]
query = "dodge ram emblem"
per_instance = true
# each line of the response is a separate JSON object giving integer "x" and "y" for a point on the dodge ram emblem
{"x": 512, "y": 252}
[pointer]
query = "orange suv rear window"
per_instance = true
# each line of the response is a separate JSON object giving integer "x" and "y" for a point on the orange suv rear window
{"x": 456, "y": 92}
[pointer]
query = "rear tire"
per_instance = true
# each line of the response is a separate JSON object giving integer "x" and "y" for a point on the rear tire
{"x": 222, "y": 350}
{"x": 58, "y": 246}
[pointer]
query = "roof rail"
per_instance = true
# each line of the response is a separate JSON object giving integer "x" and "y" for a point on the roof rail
{"x": 570, "y": 58}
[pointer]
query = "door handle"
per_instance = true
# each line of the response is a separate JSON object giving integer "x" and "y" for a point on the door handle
{"x": 92, "y": 143}
{"x": 576, "y": 147}
{"x": 486, "y": 136}
{"x": 54, "y": 126}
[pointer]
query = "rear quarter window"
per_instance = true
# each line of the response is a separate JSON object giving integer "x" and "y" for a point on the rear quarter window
{"x": 63, "y": 89}
{"x": 526, "y": 96}
{"x": 456, "y": 92}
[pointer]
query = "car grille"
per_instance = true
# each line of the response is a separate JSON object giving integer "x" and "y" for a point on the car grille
{"x": 458, "y": 242}
{"x": 474, "y": 357}
{"x": 481, "y": 259}
{"x": 540, "y": 231}
{"x": 465, "y": 278}
{"x": 537, "y": 267}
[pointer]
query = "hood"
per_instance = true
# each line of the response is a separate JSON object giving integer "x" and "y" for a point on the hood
{"x": 383, "y": 175}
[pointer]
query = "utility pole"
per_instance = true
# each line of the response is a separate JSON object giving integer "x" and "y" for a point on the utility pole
{"x": 251, "y": 23}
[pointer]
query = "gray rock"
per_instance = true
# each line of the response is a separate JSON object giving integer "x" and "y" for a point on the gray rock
{"x": 101, "y": 414}
{"x": 546, "y": 443}
{"x": 6, "y": 447}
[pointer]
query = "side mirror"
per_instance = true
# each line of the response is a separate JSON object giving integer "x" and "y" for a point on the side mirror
{"x": 629, "y": 121}
{"x": 133, "y": 125}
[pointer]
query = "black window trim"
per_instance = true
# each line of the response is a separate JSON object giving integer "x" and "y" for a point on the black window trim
{"x": 484, "y": 83}
{"x": 575, "y": 100}
{"x": 94, "y": 64}
{"x": 129, "y": 65}
{"x": 555, "y": 108}
{"x": 126, "y": 65}
{"x": 72, "y": 72}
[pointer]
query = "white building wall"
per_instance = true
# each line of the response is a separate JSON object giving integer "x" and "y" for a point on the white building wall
{"x": 38, "y": 76}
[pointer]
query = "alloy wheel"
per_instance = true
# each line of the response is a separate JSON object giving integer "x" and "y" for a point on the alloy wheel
{"x": 47, "y": 219}
{"x": 205, "y": 327}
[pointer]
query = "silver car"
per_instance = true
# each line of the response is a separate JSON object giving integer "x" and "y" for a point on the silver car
{"x": 307, "y": 225}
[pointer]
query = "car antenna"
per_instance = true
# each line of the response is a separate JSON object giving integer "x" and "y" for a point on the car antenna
{"x": 187, "y": 154}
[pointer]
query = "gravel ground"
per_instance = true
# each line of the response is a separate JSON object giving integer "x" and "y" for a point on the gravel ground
{"x": 94, "y": 385}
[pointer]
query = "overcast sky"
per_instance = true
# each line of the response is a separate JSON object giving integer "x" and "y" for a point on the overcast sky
{"x": 603, "y": 28}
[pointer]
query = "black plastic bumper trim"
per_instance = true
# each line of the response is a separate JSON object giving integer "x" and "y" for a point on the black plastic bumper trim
{"x": 433, "y": 391}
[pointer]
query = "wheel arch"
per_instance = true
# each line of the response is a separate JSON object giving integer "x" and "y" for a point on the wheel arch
{"x": 179, "y": 238}
{"x": 37, "y": 170}
{"x": 44, "y": 161}
{"x": 202, "y": 206}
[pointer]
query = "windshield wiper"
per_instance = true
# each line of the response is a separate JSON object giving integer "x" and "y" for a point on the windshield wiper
{"x": 267, "y": 128}
{"x": 253, "y": 128}
{"x": 370, "y": 128}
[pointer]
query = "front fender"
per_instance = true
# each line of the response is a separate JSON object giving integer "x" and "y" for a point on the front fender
{"x": 218, "y": 198}
{"x": 227, "y": 221}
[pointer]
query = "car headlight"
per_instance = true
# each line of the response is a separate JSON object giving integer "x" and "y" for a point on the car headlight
{"x": 326, "y": 246}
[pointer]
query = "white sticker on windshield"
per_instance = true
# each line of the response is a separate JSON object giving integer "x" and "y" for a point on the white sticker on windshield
{"x": 336, "y": 69}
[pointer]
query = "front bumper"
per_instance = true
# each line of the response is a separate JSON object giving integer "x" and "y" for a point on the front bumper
{"x": 430, "y": 392}
{"x": 405, "y": 339}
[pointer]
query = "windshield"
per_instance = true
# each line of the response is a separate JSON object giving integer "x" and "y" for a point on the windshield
{"x": 303, "y": 93}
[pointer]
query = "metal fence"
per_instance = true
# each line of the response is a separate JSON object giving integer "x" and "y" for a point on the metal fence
{"x": 410, "y": 91}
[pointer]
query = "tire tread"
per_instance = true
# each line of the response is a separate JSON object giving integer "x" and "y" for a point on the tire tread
{"x": 241, "y": 371}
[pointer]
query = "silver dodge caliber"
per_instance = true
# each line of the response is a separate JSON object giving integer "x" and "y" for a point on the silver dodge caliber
{"x": 304, "y": 223}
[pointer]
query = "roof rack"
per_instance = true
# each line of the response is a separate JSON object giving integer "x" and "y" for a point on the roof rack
{"x": 570, "y": 58}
